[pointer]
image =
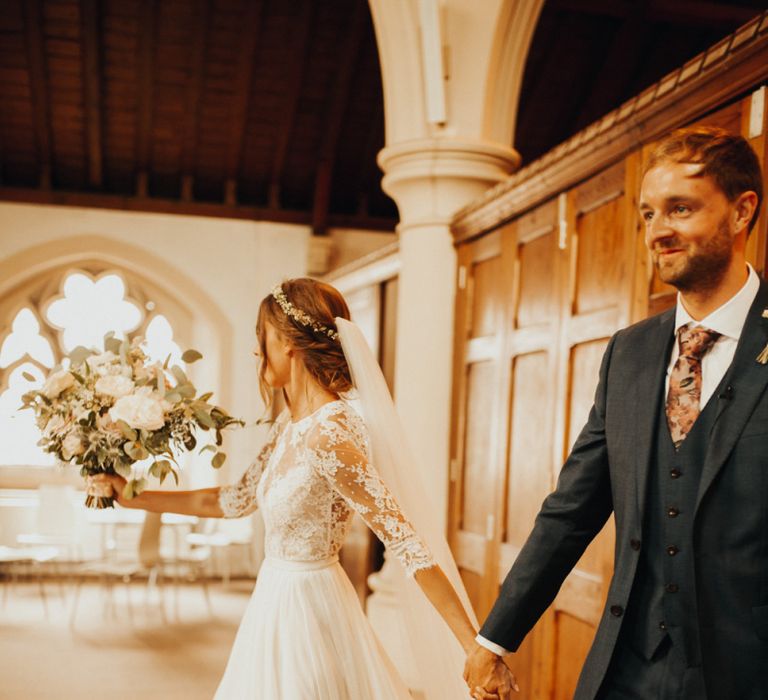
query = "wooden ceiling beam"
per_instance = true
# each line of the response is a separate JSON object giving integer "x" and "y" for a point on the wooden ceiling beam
{"x": 243, "y": 80}
{"x": 38, "y": 80}
{"x": 625, "y": 51}
{"x": 146, "y": 49}
{"x": 197, "y": 52}
{"x": 705, "y": 13}
{"x": 100, "y": 200}
{"x": 300, "y": 45}
{"x": 338, "y": 106}
{"x": 90, "y": 11}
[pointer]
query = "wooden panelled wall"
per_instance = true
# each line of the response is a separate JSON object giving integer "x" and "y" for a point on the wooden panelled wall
{"x": 538, "y": 298}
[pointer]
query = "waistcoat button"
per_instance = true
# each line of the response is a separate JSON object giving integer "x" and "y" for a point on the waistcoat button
{"x": 675, "y": 473}
{"x": 617, "y": 610}
{"x": 635, "y": 544}
{"x": 672, "y": 550}
{"x": 671, "y": 588}
{"x": 673, "y": 512}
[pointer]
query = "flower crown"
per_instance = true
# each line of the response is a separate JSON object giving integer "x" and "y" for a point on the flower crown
{"x": 301, "y": 317}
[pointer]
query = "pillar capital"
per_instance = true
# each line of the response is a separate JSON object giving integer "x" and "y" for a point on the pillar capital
{"x": 430, "y": 179}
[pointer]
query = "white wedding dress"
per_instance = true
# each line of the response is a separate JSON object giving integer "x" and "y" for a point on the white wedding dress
{"x": 304, "y": 635}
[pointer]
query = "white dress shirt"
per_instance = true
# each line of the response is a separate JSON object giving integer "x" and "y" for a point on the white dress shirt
{"x": 728, "y": 320}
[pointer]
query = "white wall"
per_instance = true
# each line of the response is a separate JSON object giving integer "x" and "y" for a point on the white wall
{"x": 230, "y": 264}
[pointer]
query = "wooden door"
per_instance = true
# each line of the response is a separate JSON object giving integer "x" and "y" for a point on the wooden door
{"x": 535, "y": 262}
{"x": 474, "y": 467}
{"x": 601, "y": 246}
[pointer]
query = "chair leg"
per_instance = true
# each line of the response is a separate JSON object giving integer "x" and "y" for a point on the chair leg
{"x": 75, "y": 601}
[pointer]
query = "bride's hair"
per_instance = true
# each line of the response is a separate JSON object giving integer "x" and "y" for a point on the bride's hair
{"x": 321, "y": 353}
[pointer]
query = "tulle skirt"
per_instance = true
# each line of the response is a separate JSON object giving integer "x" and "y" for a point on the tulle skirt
{"x": 304, "y": 636}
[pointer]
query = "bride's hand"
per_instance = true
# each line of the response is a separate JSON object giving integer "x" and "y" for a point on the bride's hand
{"x": 106, "y": 481}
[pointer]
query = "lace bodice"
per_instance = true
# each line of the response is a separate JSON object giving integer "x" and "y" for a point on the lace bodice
{"x": 308, "y": 478}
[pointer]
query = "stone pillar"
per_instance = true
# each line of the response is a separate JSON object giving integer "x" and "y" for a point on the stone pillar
{"x": 429, "y": 180}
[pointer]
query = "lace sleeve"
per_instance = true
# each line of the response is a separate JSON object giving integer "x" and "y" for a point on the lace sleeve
{"x": 239, "y": 499}
{"x": 338, "y": 449}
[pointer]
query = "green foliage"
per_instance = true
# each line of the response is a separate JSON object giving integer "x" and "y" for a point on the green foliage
{"x": 134, "y": 487}
{"x": 218, "y": 460}
{"x": 191, "y": 356}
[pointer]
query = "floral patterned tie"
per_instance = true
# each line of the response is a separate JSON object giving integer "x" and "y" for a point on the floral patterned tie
{"x": 684, "y": 394}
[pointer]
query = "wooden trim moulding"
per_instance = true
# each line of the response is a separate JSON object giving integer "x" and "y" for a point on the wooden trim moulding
{"x": 721, "y": 74}
{"x": 156, "y": 205}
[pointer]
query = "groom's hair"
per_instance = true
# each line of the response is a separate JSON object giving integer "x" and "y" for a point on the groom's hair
{"x": 725, "y": 157}
{"x": 321, "y": 353}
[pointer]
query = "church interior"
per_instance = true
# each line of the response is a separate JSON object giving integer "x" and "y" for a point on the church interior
{"x": 466, "y": 173}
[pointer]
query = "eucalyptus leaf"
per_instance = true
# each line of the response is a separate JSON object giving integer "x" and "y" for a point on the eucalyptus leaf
{"x": 79, "y": 355}
{"x": 218, "y": 460}
{"x": 204, "y": 419}
{"x": 191, "y": 356}
{"x": 207, "y": 395}
{"x": 122, "y": 469}
{"x": 186, "y": 390}
{"x": 167, "y": 361}
{"x": 136, "y": 451}
{"x": 112, "y": 345}
{"x": 180, "y": 375}
{"x": 208, "y": 448}
{"x": 127, "y": 431}
{"x": 173, "y": 396}
{"x": 134, "y": 487}
{"x": 29, "y": 377}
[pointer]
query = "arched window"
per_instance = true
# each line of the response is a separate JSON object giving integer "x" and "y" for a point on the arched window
{"x": 53, "y": 315}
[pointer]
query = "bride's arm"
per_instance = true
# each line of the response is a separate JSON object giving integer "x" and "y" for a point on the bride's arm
{"x": 442, "y": 595}
{"x": 344, "y": 463}
{"x": 231, "y": 501}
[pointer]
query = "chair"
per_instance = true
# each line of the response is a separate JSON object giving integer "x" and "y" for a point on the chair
{"x": 27, "y": 559}
{"x": 220, "y": 535}
{"x": 147, "y": 562}
{"x": 59, "y": 524}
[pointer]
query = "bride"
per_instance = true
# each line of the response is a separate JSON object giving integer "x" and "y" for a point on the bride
{"x": 304, "y": 635}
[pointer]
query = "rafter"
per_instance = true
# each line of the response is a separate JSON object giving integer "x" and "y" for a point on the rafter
{"x": 299, "y": 52}
{"x": 246, "y": 55}
{"x": 197, "y": 52}
{"x": 145, "y": 87}
{"x": 608, "y": 86}
{"x": 338, "y": 106}
{"x": 91, "y": 27}
{"x": 705, "y": 13}
{"x": 100, "y": 200}
{"x": 38, "y": 80}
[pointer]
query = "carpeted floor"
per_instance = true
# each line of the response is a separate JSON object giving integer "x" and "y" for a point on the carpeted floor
{"x": 115, "y": 651}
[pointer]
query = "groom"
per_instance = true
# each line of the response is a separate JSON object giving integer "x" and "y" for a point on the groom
{"x": 676, "y": 446}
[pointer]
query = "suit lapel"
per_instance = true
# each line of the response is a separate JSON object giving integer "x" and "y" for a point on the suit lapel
{"x": 748, "y": 380}
{"x": 653, "y": 358}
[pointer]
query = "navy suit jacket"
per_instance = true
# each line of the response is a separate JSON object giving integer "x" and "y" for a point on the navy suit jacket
{"x": 607, "y": 471}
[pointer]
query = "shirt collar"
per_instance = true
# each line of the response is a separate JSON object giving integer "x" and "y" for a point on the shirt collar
{"x": 728, "y": 319}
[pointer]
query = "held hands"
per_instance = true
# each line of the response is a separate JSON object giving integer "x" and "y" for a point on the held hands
{"x": 487, "y": 675}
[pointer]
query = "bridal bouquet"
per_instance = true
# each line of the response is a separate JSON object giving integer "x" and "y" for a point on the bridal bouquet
{"x": 107, "y": 410}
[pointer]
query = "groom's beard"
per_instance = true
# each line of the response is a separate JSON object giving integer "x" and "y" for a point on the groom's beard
{"x": 703, "y": 266}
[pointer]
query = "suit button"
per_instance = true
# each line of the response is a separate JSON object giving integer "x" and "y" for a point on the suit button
{"x": 662, "y": 626}
{"x": 672, "y": 550}
{"x": 635, "y": 544}
{"x": 617, "y": 610}
{"x": 675, "y": 473}
{"x": 671, "y": 588}
{"x": 673, "y": 512}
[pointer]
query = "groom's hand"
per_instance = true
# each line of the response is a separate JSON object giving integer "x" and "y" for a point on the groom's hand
{"x": 487, "y": 675}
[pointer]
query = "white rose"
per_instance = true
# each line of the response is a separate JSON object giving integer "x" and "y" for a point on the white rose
{"x": 72, "y": 445}
{"x": 57, "y": 382}
{"x": 114, "y": 385}
{"x": 142, "y": 411}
